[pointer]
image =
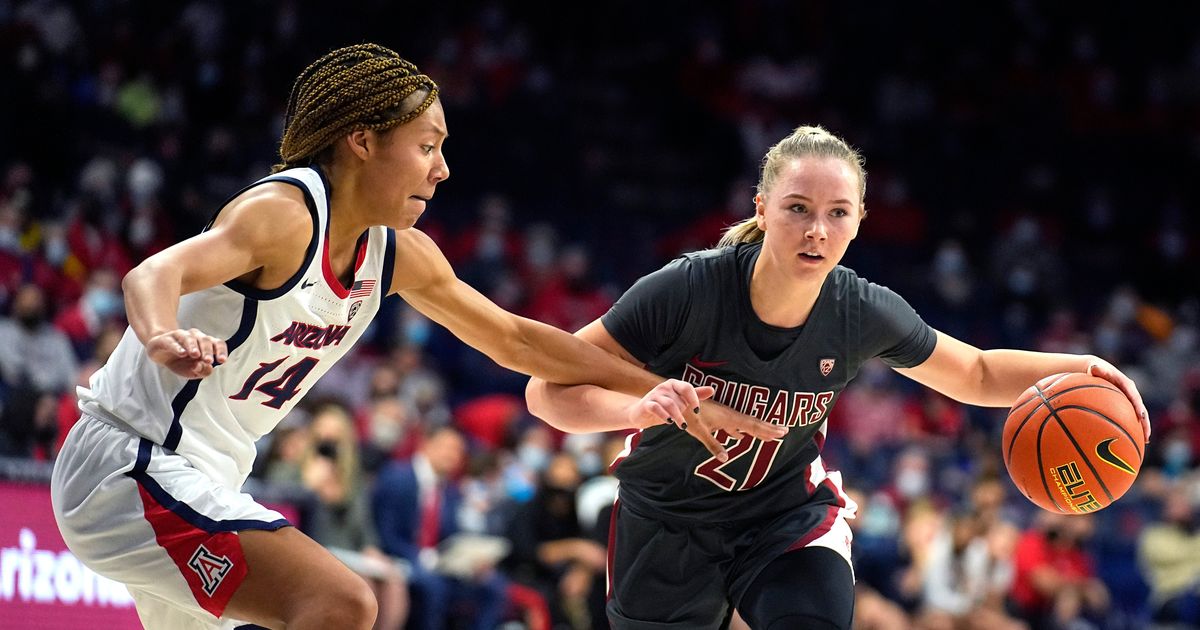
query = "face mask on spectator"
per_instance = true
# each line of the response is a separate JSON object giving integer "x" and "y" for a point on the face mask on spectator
{"x": 103, "y": 302}
{"x": 532, "y": 457}
{"x": 416, "y": 332}
{"x": 589, "y": 463}
{"x": 912, "y": 483}
{"x": 1177, "y": 455}
{"x": 385, "y": 431}
{"x": 328, "y": 449}
{"x": 56, "y": 251}
{"x": 30, "y": 320}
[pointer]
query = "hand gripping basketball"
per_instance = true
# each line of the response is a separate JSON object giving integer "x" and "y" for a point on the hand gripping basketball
{"x": 1109, "y": 372}
{"x": 1073, "y": 442}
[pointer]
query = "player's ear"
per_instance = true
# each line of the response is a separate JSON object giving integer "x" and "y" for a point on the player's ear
{"x": 862, "y": 216}
{"x": 760, "y": 212}
{"x": 358, "y": 143}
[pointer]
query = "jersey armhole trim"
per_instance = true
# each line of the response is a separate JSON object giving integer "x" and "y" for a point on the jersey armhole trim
{"x": 389, "y": 263}
{"x": 263, "y": 294}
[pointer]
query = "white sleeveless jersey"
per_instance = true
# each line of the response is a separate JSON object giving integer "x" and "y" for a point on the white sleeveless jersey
{"x": 279, "y": 343}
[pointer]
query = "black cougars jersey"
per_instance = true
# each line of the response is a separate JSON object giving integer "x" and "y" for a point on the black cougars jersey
{"x": 693, "y": 320}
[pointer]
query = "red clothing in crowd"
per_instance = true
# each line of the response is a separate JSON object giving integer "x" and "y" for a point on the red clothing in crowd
{"x": 1035, "y": 551}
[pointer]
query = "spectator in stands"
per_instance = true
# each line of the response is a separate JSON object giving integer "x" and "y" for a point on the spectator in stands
{"x": 416, "y": 506}
{"x": 37, "y": 365}
{"x": 553, "y": 553}
{"x": 68, "y": 404}
{"x": 571, "y": 299}
{"x": 1056, "y": 583}
{"x": 98, "y": 308}
{"x": 341, "y": 519}
{"x": 1169, "y": 555}
{"x": 872, "y": 610}
{"x": 963, "y": 584}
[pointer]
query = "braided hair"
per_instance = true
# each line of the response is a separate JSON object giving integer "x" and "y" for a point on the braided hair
{"x": 357, "y": 87}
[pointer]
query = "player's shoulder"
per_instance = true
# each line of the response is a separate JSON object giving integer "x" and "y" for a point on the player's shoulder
{"x": 420, "y": 258}
{"x": 847, "y": 285}
{"x": 272, "y": 208}
{"x": 717, "y": 258}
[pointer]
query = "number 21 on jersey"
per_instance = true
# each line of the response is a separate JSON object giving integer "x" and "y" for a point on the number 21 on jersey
{"x": 737, "y": 447}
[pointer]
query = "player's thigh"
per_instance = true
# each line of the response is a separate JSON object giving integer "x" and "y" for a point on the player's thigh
{"x": 663, "y": 575}
{"x": 290, "y": 573}
{"x": 807, "y": 588}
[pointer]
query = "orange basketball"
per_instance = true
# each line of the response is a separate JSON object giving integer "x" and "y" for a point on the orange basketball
{"x": 1073, "y": 443}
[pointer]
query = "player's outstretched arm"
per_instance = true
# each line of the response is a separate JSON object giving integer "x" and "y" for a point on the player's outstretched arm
{"x": 569, "y": 408}
{"x": 425, "y": 279}
{"x": 995, "y": 378}
{"x": 268, "y": 229}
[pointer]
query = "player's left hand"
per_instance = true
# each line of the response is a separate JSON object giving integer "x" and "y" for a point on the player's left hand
{"x": 1103, "y": 369}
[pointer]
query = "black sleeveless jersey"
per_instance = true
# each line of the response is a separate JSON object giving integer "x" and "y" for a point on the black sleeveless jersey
{"x": 693, "y": 320}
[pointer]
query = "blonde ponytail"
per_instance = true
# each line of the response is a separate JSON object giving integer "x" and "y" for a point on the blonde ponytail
{"x": 745, "y": 231}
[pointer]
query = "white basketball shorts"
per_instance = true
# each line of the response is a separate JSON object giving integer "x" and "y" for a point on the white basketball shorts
{"x": 142, "y": 515}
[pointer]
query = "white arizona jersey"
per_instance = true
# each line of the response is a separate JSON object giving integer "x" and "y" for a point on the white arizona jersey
{"x": 279, "y": 343}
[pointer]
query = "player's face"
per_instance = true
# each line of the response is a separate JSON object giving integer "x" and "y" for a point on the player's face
{"x": 408, "y": 167}
{"x": 810, "y": 215}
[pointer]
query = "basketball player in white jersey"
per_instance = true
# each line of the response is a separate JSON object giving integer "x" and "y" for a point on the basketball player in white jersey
{"x": 230, "y": 328}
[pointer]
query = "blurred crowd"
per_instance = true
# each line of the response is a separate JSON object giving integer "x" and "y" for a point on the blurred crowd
{"x": 1027, "y": 189}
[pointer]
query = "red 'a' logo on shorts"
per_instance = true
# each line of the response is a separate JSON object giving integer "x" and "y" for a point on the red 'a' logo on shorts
{"x": 211, "y": 568}
{"x": 827, "y": 366}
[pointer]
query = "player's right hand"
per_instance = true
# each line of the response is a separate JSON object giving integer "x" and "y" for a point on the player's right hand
{"x": 665, "y": 404}
{"x": 679, "y": 403}
{"x": 188, "y": 353}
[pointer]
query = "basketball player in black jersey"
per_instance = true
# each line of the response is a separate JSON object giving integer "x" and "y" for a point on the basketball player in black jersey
{"x": 773, "y": 323}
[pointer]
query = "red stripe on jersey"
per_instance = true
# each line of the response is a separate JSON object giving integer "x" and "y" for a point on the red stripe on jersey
{"x": 362, "y": 251}
{"x": 212, "y": 564}
{"x": 612, "y": 546}
{"x": 831, "y": 515}
{"x": 838, "y": 495}
{"x": 819, "y": 438}
{"x": 331, "y": 278}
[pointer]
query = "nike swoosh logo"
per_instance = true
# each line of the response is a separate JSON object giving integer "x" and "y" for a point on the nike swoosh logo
{"x": 306, "y": 284}
{"x": 696, "y": 361}
{"x": 1104, "y": 450}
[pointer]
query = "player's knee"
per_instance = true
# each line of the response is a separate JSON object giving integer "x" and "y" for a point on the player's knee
{"x": 350, "y": 603}
{"x": 358, "y": 600}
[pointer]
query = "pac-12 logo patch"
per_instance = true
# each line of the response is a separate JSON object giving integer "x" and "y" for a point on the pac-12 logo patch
{"x": 211, "y": 568}
{"x": 353, "y": 310}
{"x": 827, "y": 366}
